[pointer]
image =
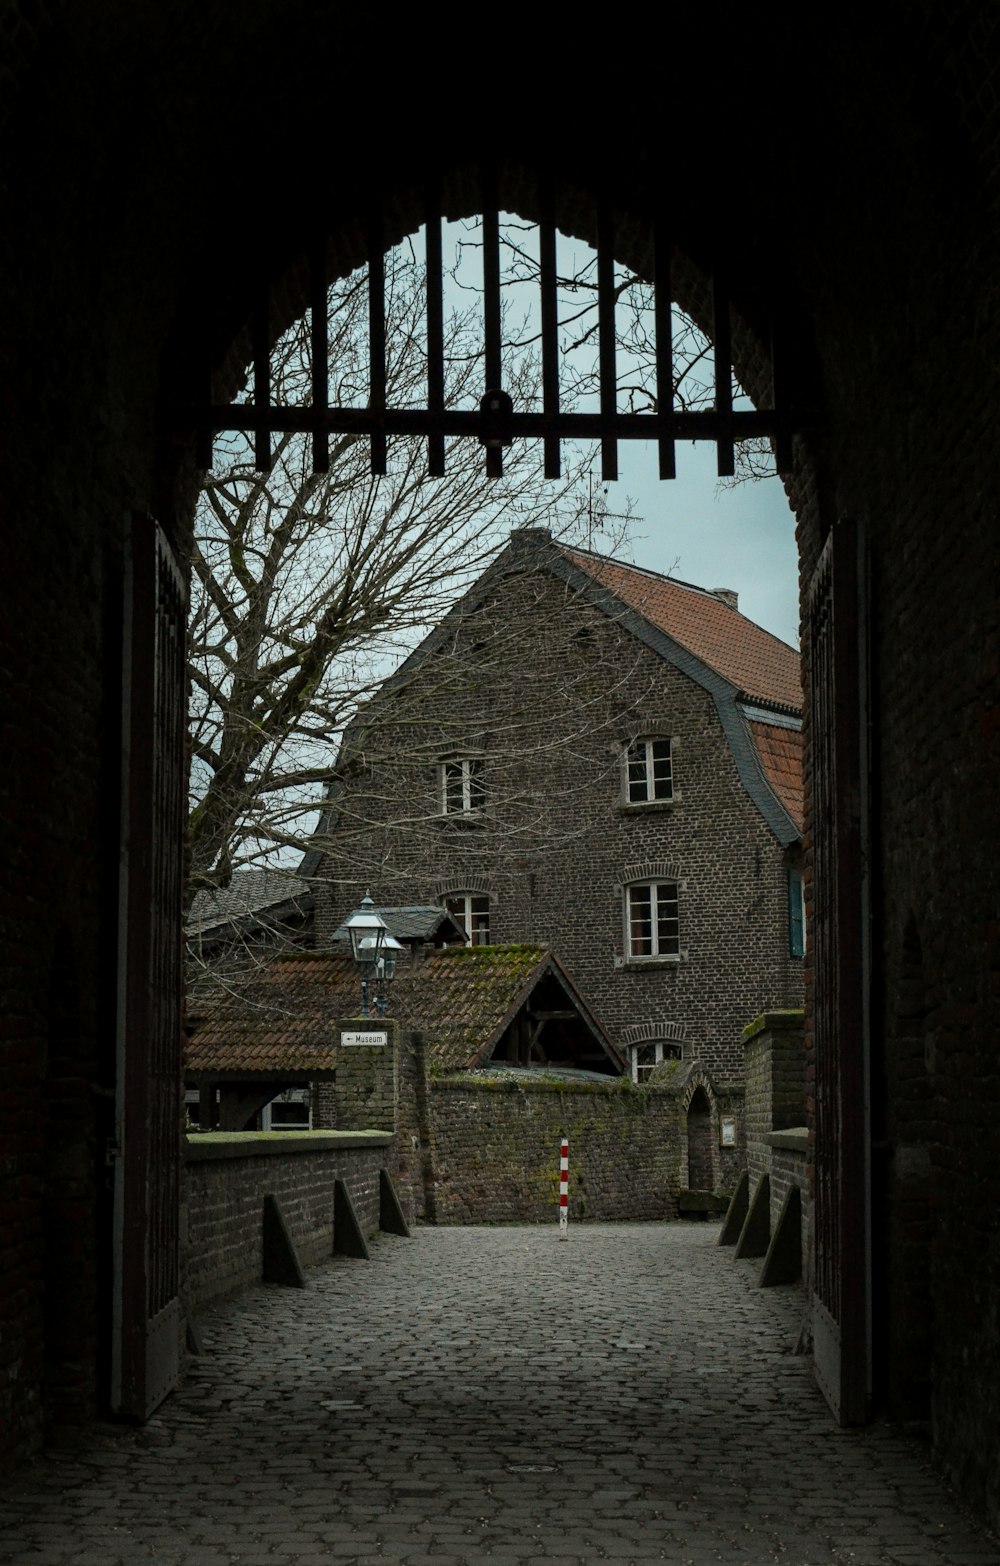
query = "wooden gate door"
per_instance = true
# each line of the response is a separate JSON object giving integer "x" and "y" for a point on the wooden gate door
{"x": 147, "y": 1308}
{"x": 838, "y": 718}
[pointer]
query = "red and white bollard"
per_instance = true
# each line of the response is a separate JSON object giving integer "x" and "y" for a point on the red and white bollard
{"x": 563, "y": 1189}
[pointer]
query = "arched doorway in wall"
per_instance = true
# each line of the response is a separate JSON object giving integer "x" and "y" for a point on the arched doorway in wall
{"x": 700, "y": 1176}
{"x": 493, "y": 422}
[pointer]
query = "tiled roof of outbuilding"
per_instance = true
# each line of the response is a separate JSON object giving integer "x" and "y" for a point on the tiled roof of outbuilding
{"x": 461, "y": 998}
{"x": 757, "y": 663}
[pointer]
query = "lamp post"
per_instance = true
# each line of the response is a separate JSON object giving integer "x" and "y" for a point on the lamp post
{"x": 374, "y": 952}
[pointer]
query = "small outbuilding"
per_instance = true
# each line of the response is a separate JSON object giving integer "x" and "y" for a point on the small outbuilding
{"x": 273, "y": 1034}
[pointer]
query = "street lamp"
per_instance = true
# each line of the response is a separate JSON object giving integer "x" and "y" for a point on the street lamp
{"x": 374, "y": 952}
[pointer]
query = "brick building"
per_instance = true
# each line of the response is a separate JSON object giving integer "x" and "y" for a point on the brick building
{"x": 604, "y": 761}
{"x": 866, "y": 249}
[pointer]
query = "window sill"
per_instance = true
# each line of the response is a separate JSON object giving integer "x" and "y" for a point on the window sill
{"x": 641, "y": 964}
{"x": 647, "y": 806}
{"x": 461, "y": 821}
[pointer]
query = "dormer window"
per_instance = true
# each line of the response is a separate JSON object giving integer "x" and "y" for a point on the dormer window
{"x": 649, "y": 772}
{"x": 462, "y": 787}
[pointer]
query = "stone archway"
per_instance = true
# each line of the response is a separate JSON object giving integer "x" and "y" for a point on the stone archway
{"x": 700, "y": 1173}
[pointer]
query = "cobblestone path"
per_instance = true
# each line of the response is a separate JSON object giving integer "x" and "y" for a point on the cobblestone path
{"x": 492, "y": 1395}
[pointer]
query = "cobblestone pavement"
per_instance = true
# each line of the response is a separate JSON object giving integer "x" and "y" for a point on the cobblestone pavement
{"x": 491, "y": 1395}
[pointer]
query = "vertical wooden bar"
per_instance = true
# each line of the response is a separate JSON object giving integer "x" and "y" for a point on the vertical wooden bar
{"x": 723, "y": 374}
{"x": 260, "y": 330}
{"x": 550, "y": 330}
{"x": 606, "y": 341}
{"x": 320, "y": 356}
{"x": 376, "y": 335}
{"x": 663, "y": 325}
{"x": 435, "y": 331}
{"x": 492, "y": 321}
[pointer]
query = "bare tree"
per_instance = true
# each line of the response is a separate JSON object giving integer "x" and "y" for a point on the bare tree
{"x": 308, "y": 588}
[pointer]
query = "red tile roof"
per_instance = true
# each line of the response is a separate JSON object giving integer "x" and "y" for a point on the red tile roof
{"x": 282, "y": 1017}
{"x": 757, "y": 663}
{"x": 780, "y": 752}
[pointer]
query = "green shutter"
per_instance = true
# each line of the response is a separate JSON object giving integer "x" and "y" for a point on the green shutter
{"x": 796, "y": 914}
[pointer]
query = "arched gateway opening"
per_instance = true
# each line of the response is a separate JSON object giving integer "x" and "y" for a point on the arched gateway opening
{"x": 168, "y": 172}
{"x": 747, "y": 330}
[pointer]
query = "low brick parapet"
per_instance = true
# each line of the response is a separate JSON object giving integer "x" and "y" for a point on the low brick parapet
{"x": 203, "y": 1145}
{"x": 229, "y": 1174}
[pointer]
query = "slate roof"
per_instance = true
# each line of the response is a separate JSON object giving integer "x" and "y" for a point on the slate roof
{"x": 461, "y": 998}
{"x": 415, "y": 922}
{"x": 250, "y": 892}
{"x": 758, "y": 664}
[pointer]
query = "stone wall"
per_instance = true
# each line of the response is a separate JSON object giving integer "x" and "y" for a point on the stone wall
{"x": 366, "y": 1092}
{"x": 788, "y": 1150}
{"x": 228, "y": 1176}
{"x": 496, "y": 1156}
{"x": 775, "y": 1061}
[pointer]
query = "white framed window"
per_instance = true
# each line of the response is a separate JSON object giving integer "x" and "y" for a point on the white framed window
{"x": 472, "y": 911}
{"x": 649, "y": 771}
{"x": 652, "y": 926}
{"x": 462, "y": 786}
{"x": 647, "y": 1056}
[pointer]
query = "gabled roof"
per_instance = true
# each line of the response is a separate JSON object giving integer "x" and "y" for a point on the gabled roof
{"x": 696, "y": 629}
{"x": 461, "y": 998}
{"x": 733, "y": 659}
{"x": 757, "y": 663}
{"x": 249, "y": 893}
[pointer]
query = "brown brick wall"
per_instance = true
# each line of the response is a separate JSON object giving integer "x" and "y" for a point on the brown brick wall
{"x": 775, "y": 1084}
{"x": 557, "y": 842}
{"x": 497, "y": 1151}
{"x": 224, "y": 1202}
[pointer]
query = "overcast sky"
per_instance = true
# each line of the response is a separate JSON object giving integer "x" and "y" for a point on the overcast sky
{"x": 743, "y": 538}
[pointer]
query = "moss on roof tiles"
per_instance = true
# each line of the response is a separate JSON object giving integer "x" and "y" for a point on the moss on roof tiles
{"x": 461, "y": 998}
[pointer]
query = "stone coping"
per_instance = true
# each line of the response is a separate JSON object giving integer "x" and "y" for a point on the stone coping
{"x": 794, "y": 1140}
{"x": 203, "y": 1146}
{"x": 621, "y": 1087}
{"x": 774, "y": 1022}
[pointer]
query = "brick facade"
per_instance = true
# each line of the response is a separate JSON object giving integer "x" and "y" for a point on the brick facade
{"x": 227, "y": 1180}
{"x": 545, "y": 691}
